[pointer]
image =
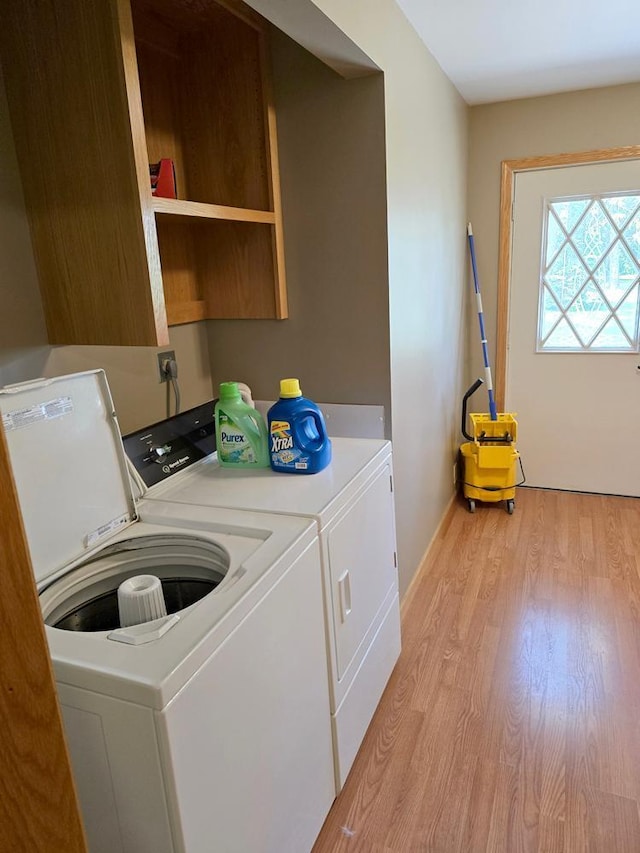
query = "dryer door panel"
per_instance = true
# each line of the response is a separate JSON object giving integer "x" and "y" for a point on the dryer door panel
{"x": 361, "y": 552}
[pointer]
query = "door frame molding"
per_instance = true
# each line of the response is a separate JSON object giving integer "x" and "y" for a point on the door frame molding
{"x": 509, "y": 169}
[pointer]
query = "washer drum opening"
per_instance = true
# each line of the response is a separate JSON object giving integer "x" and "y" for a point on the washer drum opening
{"x": 86, "y": 599}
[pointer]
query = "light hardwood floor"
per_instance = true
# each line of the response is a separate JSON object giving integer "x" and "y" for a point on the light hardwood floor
{"x": 512, "y": 720}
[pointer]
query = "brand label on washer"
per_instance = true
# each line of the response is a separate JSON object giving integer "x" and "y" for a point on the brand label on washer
{"x": 34, "y": 414}
{"x": 106, "y": 530}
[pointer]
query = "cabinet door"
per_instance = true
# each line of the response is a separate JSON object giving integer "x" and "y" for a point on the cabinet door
{"x": 361, "y": 552}
{"x": 71, "y": 78}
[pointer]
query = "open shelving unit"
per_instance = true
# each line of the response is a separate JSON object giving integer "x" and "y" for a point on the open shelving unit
{"x": 206, "y": 101}
{"x": 98, "y": 89}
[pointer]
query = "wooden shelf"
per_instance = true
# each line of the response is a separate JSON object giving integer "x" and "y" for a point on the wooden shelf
{"x": 178, "y": 207}
{"x": 208, "y": 106}
{"x": 186, "y": 312}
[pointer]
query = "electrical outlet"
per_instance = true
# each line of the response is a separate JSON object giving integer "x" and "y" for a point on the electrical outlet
{"x": 163, "y": 358}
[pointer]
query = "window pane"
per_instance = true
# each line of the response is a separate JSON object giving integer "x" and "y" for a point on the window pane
{"x": 593, "y": 236}
{"x": 569, "y": 212}
{"x": 611, "y": 337}
{"x": 562, "y": 337}
{"x": 588, "y": 313}
{"x": 616, "y": 273}
{"x": 620, "y": 207}
{"x": 566, "y": 276}
{"x": 555, "y": 237}
{"x": 550, "y": 313}
{"x": 632, "y": 235}
{"x": 627, "y": 313}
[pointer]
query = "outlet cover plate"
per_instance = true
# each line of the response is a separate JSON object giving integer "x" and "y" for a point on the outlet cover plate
{"x": 167, "y": 355}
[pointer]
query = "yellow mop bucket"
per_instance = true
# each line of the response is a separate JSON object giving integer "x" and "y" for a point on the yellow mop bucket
{"x": 489, "y": 457}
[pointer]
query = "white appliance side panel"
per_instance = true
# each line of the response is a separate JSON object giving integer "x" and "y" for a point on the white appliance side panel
{"x": 116, "y": 766}
{"x": 360, "y": 548}
{"x": 249, "y": 737}
{"x": 352, "y": 718}
{"x": 90, "y": 761}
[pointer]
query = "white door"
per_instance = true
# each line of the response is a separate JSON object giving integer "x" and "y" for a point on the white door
{"x": 573, "y": 374}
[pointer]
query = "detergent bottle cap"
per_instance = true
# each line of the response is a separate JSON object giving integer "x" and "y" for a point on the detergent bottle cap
{"x": 290, "y": 388}
{"x": 229, "y": 391}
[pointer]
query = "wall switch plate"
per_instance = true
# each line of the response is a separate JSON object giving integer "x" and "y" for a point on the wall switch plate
{"x": 163, "y": 358}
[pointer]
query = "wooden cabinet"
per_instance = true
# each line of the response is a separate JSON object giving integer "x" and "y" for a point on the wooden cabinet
{"x": 98, "y": 89}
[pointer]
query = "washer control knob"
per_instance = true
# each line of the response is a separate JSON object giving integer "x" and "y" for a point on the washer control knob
{"x": 159, "y": 452}
{"x": 140, "y": 599}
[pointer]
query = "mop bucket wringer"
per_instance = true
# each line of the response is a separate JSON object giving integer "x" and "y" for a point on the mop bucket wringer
{"x": 489, "y": 457}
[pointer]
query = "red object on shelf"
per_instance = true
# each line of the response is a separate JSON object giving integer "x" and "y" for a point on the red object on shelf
{"x": 163, "y": 179}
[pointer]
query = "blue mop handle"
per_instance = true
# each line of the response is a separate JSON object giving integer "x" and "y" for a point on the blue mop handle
{"x": 483, "y": 338}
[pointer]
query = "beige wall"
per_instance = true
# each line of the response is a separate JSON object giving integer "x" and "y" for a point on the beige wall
{"x": 24, "y": 351}
{"x": 426, "y": 165}
{"x": 576, "y": 121}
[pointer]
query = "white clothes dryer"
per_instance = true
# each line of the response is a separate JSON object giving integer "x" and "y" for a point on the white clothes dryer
{"x": 205, "y": 730}
{"x": 351, "y": 504}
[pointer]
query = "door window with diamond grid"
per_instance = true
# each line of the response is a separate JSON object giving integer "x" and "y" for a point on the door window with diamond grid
{"x": 590, "y": 277}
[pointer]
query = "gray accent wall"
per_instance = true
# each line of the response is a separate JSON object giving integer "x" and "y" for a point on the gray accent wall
{"x": 425, "y": 151}
{"x": 332, "y": 170}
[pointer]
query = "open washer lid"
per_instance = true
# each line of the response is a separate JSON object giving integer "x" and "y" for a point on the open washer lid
{"x": 69, "y": 466}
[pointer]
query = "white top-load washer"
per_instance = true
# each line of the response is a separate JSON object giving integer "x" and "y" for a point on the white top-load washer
{"x": 206, "y": 730}
{"x": 351, "y": 503}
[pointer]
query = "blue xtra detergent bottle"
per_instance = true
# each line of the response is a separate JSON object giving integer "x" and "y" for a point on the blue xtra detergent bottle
{"x": 298, "y": 440}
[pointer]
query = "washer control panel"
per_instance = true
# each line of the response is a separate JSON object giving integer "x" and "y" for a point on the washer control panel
{"x": 163, "y": 449}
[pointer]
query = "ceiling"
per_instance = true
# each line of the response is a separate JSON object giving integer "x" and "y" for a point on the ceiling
{"x": 498, "y": 50}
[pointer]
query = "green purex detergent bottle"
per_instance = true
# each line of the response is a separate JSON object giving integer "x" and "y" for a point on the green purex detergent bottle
{"x": 241, "y": 433}
{"x": 298, "y": 440}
